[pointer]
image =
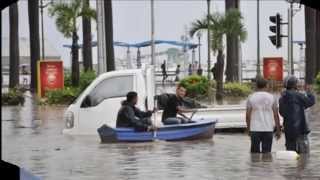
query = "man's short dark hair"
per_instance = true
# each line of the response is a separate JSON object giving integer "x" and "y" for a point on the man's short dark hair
{"x": 261, "y": 83}
{"x": 131, "y": 95}
{"x": 290, "y": 82}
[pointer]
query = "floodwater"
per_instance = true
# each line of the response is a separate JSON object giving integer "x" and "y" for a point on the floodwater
{"x": 32, "y": 138}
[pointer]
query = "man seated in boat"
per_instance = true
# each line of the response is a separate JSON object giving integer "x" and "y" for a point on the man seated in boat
{"x": 131, "y": 116}
{"x": 174, "y": 106}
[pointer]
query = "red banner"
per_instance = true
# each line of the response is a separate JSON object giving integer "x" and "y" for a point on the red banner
{"x": 50, "y": 76}
{"x": 273, "y": 68}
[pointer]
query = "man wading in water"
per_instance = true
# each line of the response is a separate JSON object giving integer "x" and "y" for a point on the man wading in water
{"x": 261, "y": 115}
{"x": 292, "y": 105}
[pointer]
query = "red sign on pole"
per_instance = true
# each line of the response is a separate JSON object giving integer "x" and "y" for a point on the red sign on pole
{"x": 50, "y": 76}
{"x": 273, "y": 68}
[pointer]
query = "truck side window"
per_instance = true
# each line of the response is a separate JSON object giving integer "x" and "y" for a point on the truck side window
{"x": 111, "y": 88}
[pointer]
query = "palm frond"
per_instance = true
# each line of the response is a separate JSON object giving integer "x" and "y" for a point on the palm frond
{"x": 66, "y": 14}
{"x": 234, "y": 25}
{"x": 88, "y": 12}
{"x": 198, "y": 25}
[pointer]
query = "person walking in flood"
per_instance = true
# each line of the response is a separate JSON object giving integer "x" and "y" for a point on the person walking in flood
{"x": 261, "y": 118}
{"x": 177, "y": 73}
{"x": 292, "y": 105}
{"x": 190, "y": 70}
{"x": 164, "y": 71}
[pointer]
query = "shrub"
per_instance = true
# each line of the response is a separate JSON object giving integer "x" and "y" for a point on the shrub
{"x": 67, "y": 79}
{"x": 85, "y": 79}
{"x": 62, "y": 96}
{"x": 13, "y": 97}
{"x": 195, "y": 85}
{"x": 317, "y": 83}
{"x": 236, "y": 89}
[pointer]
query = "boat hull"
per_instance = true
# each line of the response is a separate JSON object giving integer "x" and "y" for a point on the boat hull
{"x": 192, "y": 131}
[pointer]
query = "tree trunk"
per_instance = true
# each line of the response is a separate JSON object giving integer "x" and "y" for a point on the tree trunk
{"x": 33, "y": 12}
{"x": 220, "y": 70}
{"x": 75, "y": 60}
{"x": 318, "y": 43}
{"x": 14, "y": 46}
{"x": 232, "y": 49}
{"x": 311, "y": 44}
{"x": 109, "y": 36}
{"x": 87, "y": 48}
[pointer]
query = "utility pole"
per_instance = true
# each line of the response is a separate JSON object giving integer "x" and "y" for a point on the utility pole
{"x": 290, "y": 46}
{"x": 208, "y": 22}
{"x": 101, "y": 38}
{"x": 258, "y": 38}
{"x": 42, "y": 34}
{"x": 152, "y": 33}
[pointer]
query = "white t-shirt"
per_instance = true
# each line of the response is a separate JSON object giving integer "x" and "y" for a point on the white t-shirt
{"x": 262, "y": 104}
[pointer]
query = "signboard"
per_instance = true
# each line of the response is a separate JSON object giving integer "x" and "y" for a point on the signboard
{"x": 273, "y": 68}
{"x": 50, "y": 76}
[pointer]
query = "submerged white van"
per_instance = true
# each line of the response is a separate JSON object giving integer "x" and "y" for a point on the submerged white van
{"x": 100, "y": 101}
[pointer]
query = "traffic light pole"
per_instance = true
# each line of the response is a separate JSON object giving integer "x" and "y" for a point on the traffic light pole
{"x": 290, "y": 44}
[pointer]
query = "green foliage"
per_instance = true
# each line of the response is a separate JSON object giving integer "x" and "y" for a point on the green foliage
{"x": 13, "y": 97}
{"x": 69, "y": 93}
{"x": 195, "y": 85}
{"x": 228, "y": 24}
{"x": 236, "y": 89}
{"x": 86, "y": 78}
{"x": 67, "y": 79}
{"x": 62, "y": 96}
{"x": 317, "y": 83}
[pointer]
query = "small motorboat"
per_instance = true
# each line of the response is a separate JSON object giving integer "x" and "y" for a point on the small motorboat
{"x": 198, "y": 129}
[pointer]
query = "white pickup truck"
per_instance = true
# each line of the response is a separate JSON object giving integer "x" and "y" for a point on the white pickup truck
{"x": 100, "y": 101}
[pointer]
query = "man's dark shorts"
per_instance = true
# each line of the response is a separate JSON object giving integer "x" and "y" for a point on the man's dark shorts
{"x": 263, "y": 139}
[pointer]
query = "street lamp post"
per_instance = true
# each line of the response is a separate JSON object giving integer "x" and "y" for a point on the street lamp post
{"x": 152, "y": 34}
{"x": 258, "y": 39}
{"x": 199, "y": 39}
{"x": 208, "y": 22}
{"x": 42, "y": 34}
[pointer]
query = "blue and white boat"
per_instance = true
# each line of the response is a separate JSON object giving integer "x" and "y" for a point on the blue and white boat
{"x": 199, "y": 129}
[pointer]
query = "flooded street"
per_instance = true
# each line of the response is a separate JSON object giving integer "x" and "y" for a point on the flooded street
{"x": 32, "y": 138}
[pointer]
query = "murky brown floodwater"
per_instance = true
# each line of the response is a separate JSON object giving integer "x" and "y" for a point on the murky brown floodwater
{"x": 32, "y": 139}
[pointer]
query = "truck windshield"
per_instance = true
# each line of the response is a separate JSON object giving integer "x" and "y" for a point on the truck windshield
{"x": 111, "y": 88}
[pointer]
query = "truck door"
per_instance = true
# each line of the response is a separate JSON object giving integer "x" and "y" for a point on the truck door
{"x": 103, "y": 102}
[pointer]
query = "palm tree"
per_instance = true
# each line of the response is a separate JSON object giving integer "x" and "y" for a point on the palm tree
{"x": 232, "y": 58}
{"x": 66, "y": 21}
{"x": 109, "y": 35}
{"x": 14, "y": 46}
{"x": 87, "y": 48}
{"x": 33, "y": 13}
{"x": 221, "y": 25}
{"x": 318, "y": 40}
{"x": 311, "y": 52}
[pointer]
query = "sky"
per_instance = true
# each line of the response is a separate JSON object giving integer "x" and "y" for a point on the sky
{"x": 131, "y": 23}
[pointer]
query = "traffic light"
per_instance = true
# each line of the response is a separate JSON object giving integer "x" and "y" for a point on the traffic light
{"x": 276, "y": 38}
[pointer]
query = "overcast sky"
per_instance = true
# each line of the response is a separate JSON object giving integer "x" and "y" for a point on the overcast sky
{"x": 132, "y": 24}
